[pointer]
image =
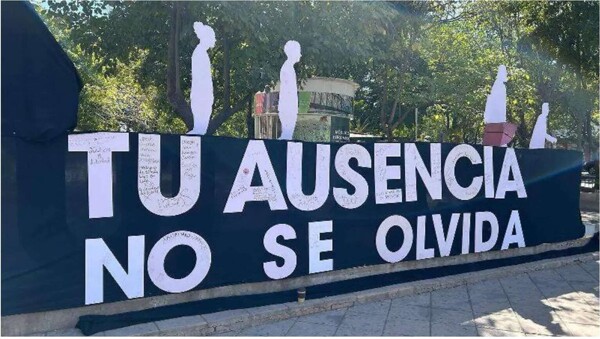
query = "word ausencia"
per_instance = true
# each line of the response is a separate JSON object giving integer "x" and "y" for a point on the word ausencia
{"x": 434, "y": 173}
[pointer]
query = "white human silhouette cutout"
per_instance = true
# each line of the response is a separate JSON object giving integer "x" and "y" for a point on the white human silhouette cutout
{"x": 540, "y": 134}
{"x": 495, "y": 106}
{"x": 201, "y": 96}
{"x": 288, "y": 91}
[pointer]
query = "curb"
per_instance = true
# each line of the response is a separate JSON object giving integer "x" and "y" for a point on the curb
{"x": 220, "y": 322}
{"x": 47, "y": 321}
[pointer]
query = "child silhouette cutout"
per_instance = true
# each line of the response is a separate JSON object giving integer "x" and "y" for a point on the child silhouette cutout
{"x": 201, "y": 95}
{"x": 540, "y": 133}
{"x": 288, "y": 91}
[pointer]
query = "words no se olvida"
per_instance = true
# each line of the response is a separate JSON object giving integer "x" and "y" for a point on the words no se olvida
{"x": 434, "y": 174}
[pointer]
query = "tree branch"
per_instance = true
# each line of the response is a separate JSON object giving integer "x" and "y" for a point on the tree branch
{"x": 220, "y": 118}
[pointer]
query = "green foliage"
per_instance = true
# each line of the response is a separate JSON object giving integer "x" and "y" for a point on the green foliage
{"x": 439, "y": 57}
{"x": 118, "y": 102}
{"x": 113, "y": 99}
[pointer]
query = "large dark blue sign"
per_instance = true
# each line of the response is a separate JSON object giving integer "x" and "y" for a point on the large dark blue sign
{"x": 102, "y": 217}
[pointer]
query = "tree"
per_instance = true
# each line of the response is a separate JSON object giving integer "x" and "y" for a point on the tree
{"x": 464, "y": 50}
{"x": 438, "y": 56}
{"x": 248, "y": 54}
{"x": 401, "y": 61}
{"x": 569, "y": 32}
{"x": 112, "y": 100}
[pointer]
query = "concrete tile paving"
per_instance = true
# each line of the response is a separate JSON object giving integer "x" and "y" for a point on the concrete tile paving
{"x": 378, "y": 307}
{"x": 447, "y": 330}
{"x": 406, "y": 327}
{"x": 456, "y": 298}
{"x": 410, "y": 312}
{"x": 562, "y": 301}
{"x": 452, "y": 317}
{"x": 302, "y": 329}
{"x": 276, "y": 329}
{"x": 423, "y": 299}
{"x": 329, "y": 318}
{"x": 362, "y": 324}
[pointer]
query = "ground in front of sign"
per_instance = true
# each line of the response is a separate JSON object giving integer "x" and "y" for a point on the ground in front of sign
{"x": 561, "y": 301}
{"x": 552, "y": 297}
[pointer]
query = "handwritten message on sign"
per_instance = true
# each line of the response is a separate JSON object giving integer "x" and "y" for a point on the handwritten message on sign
{"x": 138, "y": 215}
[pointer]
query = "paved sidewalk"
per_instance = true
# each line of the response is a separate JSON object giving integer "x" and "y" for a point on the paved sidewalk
{"x": 561, "y": 301}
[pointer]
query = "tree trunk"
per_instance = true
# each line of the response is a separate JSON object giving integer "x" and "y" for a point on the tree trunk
{"x": 384, "y": 96}
{"x": 522, "y": 132}
{"x": 174, "y": 93}
{"x": 588, "y": 136}
{"x": 228, "y": 111}
{"x": 226, "y": 75}
{"x": 586, "y": 130}
{"x": 389, "y": 131}
{"x": 249, "y": 119}
{"x": 447, "y": 127}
